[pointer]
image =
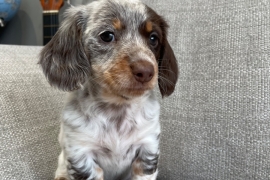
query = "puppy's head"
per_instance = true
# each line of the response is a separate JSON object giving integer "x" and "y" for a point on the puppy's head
{"x": 121, "y": 45}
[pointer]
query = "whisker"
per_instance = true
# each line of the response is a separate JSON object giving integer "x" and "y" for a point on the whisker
{"x": 166, "y": 69}
{"x": 165, "y": 79}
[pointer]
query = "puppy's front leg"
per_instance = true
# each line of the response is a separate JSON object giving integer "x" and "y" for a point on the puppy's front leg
{"x": 145, "y": 166}
{"x": 84, "y": 168}
{"x": 79, "y": 168}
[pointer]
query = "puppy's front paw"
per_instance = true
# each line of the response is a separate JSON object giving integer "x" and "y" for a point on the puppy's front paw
{"x": 143, "y": 174}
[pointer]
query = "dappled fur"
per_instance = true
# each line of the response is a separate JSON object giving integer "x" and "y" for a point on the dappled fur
{"x": 110, "y": 124}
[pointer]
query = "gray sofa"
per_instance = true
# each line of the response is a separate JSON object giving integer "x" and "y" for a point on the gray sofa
{"x": 215, "y": 126}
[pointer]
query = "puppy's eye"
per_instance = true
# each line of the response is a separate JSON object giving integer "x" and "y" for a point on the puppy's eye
{"x": 153, "y": 39}
{"x": 107, "y": 36}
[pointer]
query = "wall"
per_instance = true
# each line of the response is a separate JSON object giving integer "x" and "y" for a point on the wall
{"x": 26, "y": 27}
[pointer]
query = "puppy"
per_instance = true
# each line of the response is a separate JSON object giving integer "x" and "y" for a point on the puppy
{"x": 110, "y": 55}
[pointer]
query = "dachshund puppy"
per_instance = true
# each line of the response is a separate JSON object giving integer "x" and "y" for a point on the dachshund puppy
{"x": 110, "y": 55}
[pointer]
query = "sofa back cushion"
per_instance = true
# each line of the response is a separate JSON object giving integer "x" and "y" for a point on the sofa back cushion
{"x": 217, "y": 123}
{"x": 29, "y": 116}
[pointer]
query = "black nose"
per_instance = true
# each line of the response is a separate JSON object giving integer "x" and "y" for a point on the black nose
{"x": 143, "y": 71}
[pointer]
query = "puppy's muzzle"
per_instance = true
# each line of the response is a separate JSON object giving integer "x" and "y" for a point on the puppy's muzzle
{"x": 143, "y": 71}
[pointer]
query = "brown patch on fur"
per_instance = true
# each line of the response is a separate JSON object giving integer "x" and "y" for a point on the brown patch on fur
{"x": 149, "y": 26}
{"x": 100, "y": 173}
{"x": 136, "y": 168}
{"x": 113, "y": 74}
{"x": 61, "y": 178}
{"x": 117, "y": 24}
{"x": 99, "y": 170}
{"x": 121, "y": 81}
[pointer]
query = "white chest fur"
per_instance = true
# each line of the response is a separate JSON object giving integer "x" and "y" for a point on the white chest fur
{"x": 110, "y": 135}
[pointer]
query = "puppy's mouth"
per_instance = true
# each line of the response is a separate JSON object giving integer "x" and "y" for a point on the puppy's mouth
{"x": 131, "y": 87}
{"x": 114, "y": 93}
{"x": 126, "y": 86}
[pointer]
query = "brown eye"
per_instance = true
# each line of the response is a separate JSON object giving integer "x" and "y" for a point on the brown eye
{"x": 153, "y": 39}
{"x": 107, "y": 36}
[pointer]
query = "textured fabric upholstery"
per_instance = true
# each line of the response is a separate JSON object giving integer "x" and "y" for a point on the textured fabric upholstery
{"x": 29, "y": 117}
{"x": 215, "y": 126}
{"x": 217, "y": 123}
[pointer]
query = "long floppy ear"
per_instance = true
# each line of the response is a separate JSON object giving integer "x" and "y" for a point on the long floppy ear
{"x": 64, "y": 60}
{"x": 168, "y": 69}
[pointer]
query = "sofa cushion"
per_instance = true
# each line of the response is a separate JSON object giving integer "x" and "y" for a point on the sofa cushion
{"x": 29, "y": 116}
{"x": 217, "y": 123}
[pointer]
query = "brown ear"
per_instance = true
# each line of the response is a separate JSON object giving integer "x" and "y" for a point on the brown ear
{"x": 168, "y": 70}
{"x": 63, "y": 59}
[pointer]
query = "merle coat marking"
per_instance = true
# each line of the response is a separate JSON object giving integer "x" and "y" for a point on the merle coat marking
{"x": 110, "y": 55}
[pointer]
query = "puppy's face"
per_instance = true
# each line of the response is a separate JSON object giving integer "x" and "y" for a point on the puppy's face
{"x": 119, "y": 44}
{"x": 123, "y": 41}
